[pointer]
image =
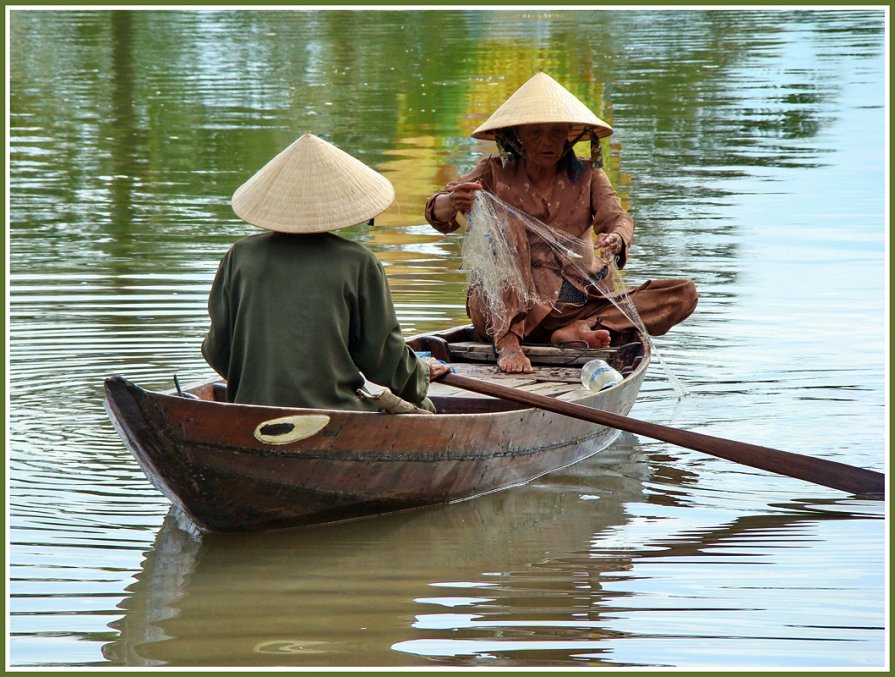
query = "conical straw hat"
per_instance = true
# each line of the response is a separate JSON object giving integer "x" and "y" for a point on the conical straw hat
{"x": 542, "y": 99}
{"x": 312, "y": 187}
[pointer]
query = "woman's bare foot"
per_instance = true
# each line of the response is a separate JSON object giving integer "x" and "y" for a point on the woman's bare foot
{"x": 510, "y": 357}
{"x": 580, "y": 330}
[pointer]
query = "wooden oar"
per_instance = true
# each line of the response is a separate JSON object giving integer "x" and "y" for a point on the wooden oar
{"x": 819, "y": 471}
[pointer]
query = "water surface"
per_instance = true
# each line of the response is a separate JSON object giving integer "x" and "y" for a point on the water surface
{"x": 748, "y": 146}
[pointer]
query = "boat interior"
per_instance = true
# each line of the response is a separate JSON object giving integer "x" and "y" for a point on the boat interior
{"x": 557, "y": 370}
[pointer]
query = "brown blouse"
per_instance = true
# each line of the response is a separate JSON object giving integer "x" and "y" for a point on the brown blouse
{"x": 589, "y": 202}
{"x": 581, "y": 209}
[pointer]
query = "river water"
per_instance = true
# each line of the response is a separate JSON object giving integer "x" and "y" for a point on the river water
{"x": 750, "y": 147}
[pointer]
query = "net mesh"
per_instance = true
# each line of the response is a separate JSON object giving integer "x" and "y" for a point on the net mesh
{"x": 519, "y": 263}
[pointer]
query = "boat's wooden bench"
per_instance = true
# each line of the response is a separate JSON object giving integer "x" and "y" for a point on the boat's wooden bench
{"x": 549, "y": 381}
{"x": 471, "y": 351}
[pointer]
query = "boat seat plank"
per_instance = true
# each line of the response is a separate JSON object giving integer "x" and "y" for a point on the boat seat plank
{"x": 491, "y": 371}
{"x": 549, "y": 381}
{"x": 462, "y": 351}
{"x": 550, "y": 388}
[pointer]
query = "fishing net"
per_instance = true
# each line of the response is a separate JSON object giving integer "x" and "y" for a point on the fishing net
{"x": 519, "y": 264}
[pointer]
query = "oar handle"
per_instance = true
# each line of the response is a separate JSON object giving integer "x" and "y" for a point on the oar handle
{"x": 819, "y": 471}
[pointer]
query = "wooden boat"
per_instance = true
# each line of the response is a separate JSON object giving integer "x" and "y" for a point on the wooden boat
{"x": 234, "y": 467}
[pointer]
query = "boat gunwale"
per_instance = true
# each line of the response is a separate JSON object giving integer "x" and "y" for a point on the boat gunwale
{"x": 586, "y": 400}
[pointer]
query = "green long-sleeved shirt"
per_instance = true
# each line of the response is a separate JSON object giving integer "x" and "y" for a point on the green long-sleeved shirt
{"x": 295, "y": 318}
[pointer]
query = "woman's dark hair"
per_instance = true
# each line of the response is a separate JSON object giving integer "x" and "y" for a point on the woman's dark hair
{"x": 510, "y": 148}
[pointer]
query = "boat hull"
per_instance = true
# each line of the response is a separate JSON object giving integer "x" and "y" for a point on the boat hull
{"x": 206, "y": 458}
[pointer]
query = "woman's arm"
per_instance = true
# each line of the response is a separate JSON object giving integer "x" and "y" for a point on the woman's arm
{"x": 377, "y": 345}
{"x": 442, "y": 207}
{"x": 610, "y": 216}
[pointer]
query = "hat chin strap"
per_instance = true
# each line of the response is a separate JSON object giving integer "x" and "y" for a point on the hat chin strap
{"x": 580, "y": 136}
{"x": 508, "y": 144}
{"x": 596, "y": 151}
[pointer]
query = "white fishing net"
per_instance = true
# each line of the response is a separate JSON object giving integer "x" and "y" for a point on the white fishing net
{"x": 519, "y": 263}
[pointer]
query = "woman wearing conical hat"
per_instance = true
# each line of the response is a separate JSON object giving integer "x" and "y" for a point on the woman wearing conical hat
{"x": 299, "y": 313}
{"x": 538, "y": 173}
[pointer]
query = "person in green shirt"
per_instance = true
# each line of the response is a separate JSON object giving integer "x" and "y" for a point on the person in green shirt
{"x": 299, "y": 315}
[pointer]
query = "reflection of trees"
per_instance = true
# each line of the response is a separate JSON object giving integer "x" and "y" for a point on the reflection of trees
{"x": 148, "y": 120}
{"x": 211, "y": 91}
{"x": 127, "y": 143}
{"x": 693, "y": 111}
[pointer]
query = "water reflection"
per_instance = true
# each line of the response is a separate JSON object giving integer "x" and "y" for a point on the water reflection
{"x": 342, "y": 595}
{"x": 556, "y": 574}
{"x": 749, "y": 147}
{"x": 178, "y": 130}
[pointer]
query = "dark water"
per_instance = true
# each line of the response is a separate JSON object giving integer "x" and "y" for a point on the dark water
{"x": 750, "y": 149}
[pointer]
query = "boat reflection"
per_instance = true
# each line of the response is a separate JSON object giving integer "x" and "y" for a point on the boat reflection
{"x": 344, "y": 594}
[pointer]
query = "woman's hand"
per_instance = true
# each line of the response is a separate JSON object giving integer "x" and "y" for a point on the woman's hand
{"x": 610, "y": 243}
{"x": 436, "y": 368}
{"x": 457, "y": 199}
{"x": 463, "y": 195}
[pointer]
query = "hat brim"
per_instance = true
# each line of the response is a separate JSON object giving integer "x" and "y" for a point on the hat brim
{"x": 576, "y": 131}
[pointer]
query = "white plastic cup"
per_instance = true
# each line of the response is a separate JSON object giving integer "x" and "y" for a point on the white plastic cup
{"x": 597, "y": 375}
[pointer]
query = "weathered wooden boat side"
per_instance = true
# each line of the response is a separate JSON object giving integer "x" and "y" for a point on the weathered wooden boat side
{"x": 205, "y": 456}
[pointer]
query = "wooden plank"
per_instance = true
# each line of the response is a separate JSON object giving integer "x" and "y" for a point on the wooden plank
{"x": 484, "y": 352}
{"x": 551, "y": 381}
{"x": 549, "y": 388}
{"x": 490, "y": 372}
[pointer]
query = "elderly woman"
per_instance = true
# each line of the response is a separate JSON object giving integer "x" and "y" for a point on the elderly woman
{"x": 539, "y": 174}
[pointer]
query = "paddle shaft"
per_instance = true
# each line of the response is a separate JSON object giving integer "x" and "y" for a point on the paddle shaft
{"x": 819, "y": 471}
